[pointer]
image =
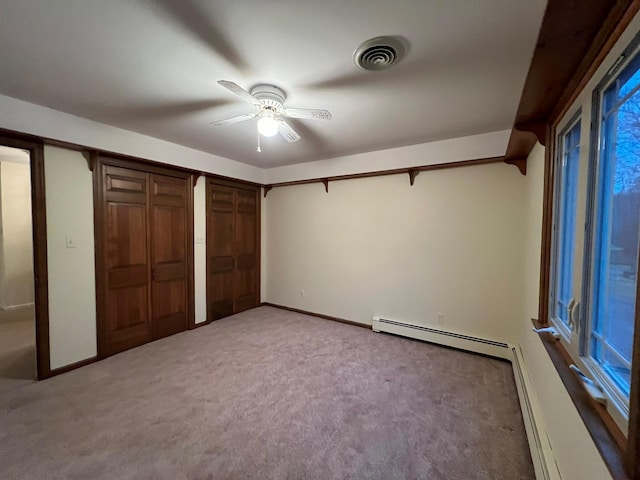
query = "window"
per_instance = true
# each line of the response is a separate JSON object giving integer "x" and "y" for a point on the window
{"x": 599, "y": 335}
{"x": 615, "y": 223}
{"x": 566, "y": 188}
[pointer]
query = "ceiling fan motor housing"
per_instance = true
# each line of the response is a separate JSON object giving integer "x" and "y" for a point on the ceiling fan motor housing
{"x": 269, "y": 95}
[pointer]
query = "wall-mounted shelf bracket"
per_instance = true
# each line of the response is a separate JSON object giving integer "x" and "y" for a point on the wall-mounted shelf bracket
{"x": 413, "y": 173}
{"x": 196, "y": 176}
{"x": 92, "y": 157}
{"x": 520, "y": 163}
{"x": 537, "y": 127}
{"x": 266, "y": 189}
{"x": 325, "y": 182}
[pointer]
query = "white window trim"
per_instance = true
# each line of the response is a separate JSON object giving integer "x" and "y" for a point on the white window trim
{"x": 563, "y": 129}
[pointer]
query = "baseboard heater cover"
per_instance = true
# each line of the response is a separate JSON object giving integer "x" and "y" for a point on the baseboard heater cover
{"x": 443, "y": 337}
{"x": 544, "y": 462}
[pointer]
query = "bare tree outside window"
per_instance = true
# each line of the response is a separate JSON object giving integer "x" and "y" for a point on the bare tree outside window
{"x": 619, "y": 227}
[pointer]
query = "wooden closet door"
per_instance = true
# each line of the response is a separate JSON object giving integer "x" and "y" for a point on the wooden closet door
{"x": 220, "y": 251}
{"x": 246, "y": 247}
{"x": 169, "y": 299}
{"x": 126, "y": 258}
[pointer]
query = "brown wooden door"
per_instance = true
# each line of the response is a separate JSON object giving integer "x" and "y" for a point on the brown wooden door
{"x": 144, "y": 241}
{"x": 232, "y": 249}
{"x": 220, "y": 251}
{"x": 246, "y": 249}
{"x": 168, "y": 213}
{"x": 127, "y": 319}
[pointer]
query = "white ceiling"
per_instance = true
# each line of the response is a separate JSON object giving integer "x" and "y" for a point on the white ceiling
{"x": 151, "y": 66}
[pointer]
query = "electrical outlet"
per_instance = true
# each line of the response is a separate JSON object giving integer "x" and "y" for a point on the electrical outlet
{"x": 199, "y": 238}
{"x": 302, "y": 294}
{"x": 440, "y": 318}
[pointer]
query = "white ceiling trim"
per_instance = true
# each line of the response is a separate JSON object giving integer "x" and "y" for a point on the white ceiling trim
{"x": 35, "y": 119}
{"x": 486, "y": 145}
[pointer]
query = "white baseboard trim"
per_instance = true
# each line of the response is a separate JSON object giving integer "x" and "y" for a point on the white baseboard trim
{"x": 17, "y": 307}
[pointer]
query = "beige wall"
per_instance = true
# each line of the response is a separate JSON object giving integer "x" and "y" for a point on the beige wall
{"x": 575, "y": 452}
{"x": 377, "y": 246}
{"x": 200, "y": 249}
{"x": 72, "y": 297}
{"x": 16, "y": 237}
{"x": 532, "y": 216}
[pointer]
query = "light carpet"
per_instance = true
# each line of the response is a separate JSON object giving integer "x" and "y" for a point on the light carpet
{"x": 269, "y": 394}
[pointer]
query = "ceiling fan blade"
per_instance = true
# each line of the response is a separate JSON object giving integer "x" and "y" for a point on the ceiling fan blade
{"x": 239, "y": 91}
{"x": 288, "y": 133}
{"x": 232, "y": 120}
{"x": 315, "y": 114}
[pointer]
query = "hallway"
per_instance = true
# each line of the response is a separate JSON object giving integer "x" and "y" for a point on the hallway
{"x": 17, "y": 348}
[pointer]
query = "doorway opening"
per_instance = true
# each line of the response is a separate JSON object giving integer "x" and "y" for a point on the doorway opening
{"x": 18, "y": 361}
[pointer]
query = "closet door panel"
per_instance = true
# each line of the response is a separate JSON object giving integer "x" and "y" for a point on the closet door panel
{"x": 246, "y": 247}
{"x": 129, "y": 307}
{"x": 169, "y": 316}
{"x": 169, "y": 255}
{"x": 126, "y": 258}
{"x": 220, "y": 251}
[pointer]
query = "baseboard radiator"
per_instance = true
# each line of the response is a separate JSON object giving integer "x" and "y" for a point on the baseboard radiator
{"x": 442, "y": 337}
{"x": 544, "y": 461}
{"x": 541, "y": 453}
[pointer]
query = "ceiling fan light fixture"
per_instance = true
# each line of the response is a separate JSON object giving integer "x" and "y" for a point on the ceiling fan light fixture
{"x": 269, "y": 99}
{"x": 268, "y": 125}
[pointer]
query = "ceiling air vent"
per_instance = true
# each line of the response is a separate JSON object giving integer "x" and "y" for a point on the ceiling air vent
{"x": 379, "y": 53}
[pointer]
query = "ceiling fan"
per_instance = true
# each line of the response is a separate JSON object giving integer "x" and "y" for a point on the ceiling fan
{"x": 270, "y": 103}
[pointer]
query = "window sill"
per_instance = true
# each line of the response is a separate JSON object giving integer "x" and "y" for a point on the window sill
{"x": 608, "y": 438}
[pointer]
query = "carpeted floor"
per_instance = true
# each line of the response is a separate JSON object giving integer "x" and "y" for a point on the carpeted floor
{"x": 269, "y": 394}
{"x": 17, "y": 348}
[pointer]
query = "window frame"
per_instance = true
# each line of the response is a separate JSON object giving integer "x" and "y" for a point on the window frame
{"x": 619, "y": 405}
{"x": 567, "y": 127}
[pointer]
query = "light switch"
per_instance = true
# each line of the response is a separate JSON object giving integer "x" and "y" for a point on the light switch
{"x": 70, "y": 241}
